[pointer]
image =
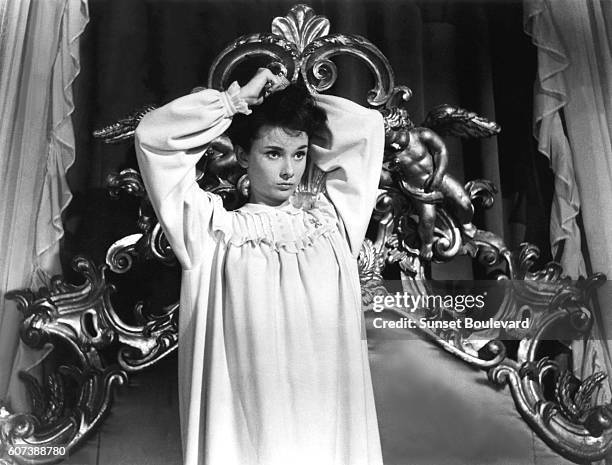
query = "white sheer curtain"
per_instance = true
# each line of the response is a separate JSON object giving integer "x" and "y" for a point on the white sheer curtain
{"x": 573, "y": 125}
{"x": 39, "y": 60}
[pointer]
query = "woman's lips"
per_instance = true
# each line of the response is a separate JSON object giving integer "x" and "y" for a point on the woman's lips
{"x": 285, "y": 186}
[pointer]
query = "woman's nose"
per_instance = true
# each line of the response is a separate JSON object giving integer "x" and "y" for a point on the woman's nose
{"x": 287, "y": 170}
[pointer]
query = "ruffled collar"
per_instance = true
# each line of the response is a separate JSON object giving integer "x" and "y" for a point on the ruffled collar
{"x": 262, "y": 208}
{"x": 298, "y": 202}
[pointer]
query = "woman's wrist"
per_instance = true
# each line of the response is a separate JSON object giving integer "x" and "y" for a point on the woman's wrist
{"x": 233, "y": 102}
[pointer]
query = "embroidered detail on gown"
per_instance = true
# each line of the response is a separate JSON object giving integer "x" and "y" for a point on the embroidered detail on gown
{"x": 288, "y": 228}
{"x": 272, "y": 366}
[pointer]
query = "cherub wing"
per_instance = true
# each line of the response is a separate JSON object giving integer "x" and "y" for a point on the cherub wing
{"x": 455, "y": 121}
{"x": 124, "y": 128}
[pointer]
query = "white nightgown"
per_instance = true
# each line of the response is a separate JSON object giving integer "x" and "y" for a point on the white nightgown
{"x": 273, "y": 366}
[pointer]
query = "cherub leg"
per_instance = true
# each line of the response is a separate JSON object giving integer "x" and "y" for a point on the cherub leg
{"x": 460, "y": 202}
{"x": 427, "y": 220}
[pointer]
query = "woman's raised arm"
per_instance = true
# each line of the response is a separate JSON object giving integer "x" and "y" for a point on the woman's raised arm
{"x": 169, "y": 142}
{"x": 351, "y": 154}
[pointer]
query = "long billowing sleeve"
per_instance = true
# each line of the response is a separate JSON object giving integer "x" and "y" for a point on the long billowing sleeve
{"x": 351, "y": 154}
{"x": 169, "y": 142}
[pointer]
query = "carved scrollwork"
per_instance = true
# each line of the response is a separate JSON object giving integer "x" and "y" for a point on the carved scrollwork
{"x": 124, "y": 128}
{"x": 56, "y": 422}
{"x": 586, "y": 438}
{"x": 301, "y": 42}
{"x": 120, "y": 255}
{"x": 558, "y": 309}
{"x": 395, "y": 114}
{"x": 447, "y": 239}
{"x": 320, "y": 73}
{"x": 373, "y": 257}
{"x": 81, "y": 318}
{"x": 73, "y": 315}
{"x": 160, "y": 330}
{"x": 159, "y": 246}
{"x": 128, "y": 180}
{"x": 488, "y": 248}
{"x": 575, "y": 397}
{"x": 482, "y": 192}
{"x": 271, "y": 46}
{"x": 86, "y": 319}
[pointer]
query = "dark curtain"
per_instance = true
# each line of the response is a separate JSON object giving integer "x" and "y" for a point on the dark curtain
{"x": 469, "y": 53}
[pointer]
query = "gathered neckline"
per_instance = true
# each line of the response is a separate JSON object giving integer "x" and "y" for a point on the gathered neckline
{"x": 260, "y": 208}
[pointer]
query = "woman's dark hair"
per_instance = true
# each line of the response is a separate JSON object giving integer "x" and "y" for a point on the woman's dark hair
{"x": 292, "y": 108}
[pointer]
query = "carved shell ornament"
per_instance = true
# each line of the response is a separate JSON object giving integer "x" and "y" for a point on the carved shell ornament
{"x": 301, "y": 42}
{"x": 301, "y": 26}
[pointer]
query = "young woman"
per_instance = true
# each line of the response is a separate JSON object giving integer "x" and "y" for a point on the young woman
{"x": 273, "y": 360}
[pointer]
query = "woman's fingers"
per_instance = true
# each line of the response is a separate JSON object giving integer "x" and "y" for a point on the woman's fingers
{"x": 275, "y": 84}
{"x": 252, "y": 92}
{"x": 261, "y": 85}
{"x": 281, "y": 83}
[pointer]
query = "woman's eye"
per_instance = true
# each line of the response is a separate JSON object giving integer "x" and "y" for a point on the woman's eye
{"x": 272, "y": 154}
{"x": 300, "y": 155}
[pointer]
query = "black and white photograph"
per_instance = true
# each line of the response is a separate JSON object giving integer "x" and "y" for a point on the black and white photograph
{"x": 328, "y": 232}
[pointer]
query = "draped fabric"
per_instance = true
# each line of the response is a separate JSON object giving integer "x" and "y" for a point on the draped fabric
{"x": 39, "y": 60}
{"x": 573, "y": 125}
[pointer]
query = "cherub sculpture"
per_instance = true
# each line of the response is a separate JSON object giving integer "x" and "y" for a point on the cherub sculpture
{"x": 419, "y": 157}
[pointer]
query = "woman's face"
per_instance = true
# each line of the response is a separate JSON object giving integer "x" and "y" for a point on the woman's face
{"x": 275, "y": 164}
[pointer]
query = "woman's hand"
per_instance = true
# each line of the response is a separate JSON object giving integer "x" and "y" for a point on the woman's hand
{"x": 264, "y": 83}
